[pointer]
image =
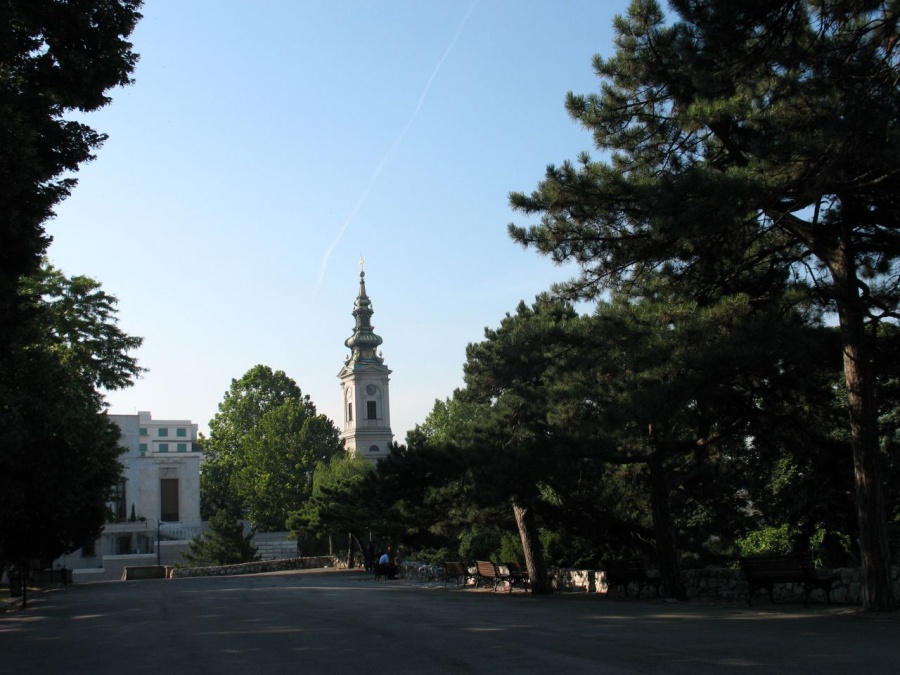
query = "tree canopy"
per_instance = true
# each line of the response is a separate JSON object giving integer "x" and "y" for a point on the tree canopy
{"x": 264, "y": 444}
{"x": 78, "y": 320}
{"x": 56, "y": 59}
{"x": 747, "y": 133}
{"x": 58, "y": 449}
{"x": 58, "y": 338}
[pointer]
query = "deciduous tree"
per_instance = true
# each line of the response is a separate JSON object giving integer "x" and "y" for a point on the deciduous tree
{"x": 57, "y": 59}
{"x": 280, "y": 455}
{"x": 58, "y": 448}
{"x": 263, "y": 446}
{"x": 78, "y": 320}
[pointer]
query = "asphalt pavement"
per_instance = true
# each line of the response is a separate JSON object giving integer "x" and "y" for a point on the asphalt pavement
{"x": 334, "y": 622}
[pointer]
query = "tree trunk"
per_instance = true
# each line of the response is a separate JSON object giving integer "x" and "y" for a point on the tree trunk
{"x": 24, "y": 573}
{"x": 539, "y": 579}
{"x": 877, "y": 592}
{"x": 667, "y": 555}
{"x": 350, "y": 551}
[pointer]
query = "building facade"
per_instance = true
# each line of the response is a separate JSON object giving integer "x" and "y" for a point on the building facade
{"x": 161, "y": 470}
{"x": 365, "y": 386}
{"x": 156, "y": 506}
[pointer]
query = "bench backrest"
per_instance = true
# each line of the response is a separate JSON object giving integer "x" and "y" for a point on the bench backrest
{"x": 778, "y": 567}
{"x": 486, "y": 568}
{"x": 625, "y": 570}
{"x": 455, "y": 569}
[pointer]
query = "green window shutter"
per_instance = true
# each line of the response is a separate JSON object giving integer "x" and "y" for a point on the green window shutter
{"x": 181, "y": 432}
{"x": 142, "y": 447}
{"x": 163, "y": 433}
{"x": 143, "y": 431}
{"x": 163, "y": 447}
{"x": 181, "y": 447}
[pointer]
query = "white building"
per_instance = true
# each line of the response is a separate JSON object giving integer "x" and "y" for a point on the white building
{"x": 364, "y": 385}
{"x": 156, "y": 507}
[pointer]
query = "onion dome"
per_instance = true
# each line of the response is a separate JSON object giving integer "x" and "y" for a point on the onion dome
{"x": 364, "y": 342}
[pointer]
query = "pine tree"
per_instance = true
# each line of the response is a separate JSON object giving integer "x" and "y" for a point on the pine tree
{"x": 223, "y": 544}
{"x": 771, "y": 126}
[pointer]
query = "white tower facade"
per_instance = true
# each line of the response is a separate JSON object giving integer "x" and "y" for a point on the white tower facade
{"x": 365, "y": 387}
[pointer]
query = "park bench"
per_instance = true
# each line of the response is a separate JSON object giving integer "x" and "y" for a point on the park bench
{"x": 491, "y": 573}
{"x": 764, "y": 571}
{"x": 625, "y": 572}
{"x": 458, "y": 571}
{"x": 487, "y": 572}
{"x": 384, "y": 571}
{"x": 517, "y": 575}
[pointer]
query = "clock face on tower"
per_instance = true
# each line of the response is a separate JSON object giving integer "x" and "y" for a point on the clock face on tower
{"x": 371, "y": 390}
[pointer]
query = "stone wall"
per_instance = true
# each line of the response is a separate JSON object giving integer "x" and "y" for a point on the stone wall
{"x": 257, "y": 567}
{"x": 729, "y": 584}
{"x": 712, "y": 583}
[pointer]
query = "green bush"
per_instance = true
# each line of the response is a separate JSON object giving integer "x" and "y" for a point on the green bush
{"x": 510, "y": 549}
{"x": 829, "y": 548}
{"x": 779, "y": 539}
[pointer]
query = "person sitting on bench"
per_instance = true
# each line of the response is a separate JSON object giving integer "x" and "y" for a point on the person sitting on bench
{"x": 387, "y": 565}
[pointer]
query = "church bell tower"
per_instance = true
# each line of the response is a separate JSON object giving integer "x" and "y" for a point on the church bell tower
{"x": 364, "y": 385}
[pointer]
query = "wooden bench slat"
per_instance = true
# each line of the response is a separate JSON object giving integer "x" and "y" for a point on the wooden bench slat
{"x": 488, "y": 572}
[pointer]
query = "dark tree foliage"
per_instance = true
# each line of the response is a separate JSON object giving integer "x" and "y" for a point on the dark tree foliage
{"x": 340, "y": 503}
{"x": 56, "y": 59}
{"x": 56, "y": 479}
{"x": 415, "y": 495}
{"x": 519, "y": 447}
{"x": 58, "y": 449}
{"x": 773, "y": 122}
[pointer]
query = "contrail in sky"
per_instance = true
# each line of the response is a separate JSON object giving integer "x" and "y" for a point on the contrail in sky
{"x": 391, "y": 150}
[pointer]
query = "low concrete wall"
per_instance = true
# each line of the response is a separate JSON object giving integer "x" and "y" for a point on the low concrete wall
{"x": 257, "y": 567}
{"x": 112, "y": 566}
{"x": 135, "y": 573}
{"x": 88, "y": 575}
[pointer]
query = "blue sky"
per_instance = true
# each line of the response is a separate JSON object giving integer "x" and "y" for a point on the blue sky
{"x": 267, "y": 144}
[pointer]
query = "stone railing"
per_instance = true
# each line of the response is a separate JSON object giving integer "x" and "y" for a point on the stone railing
{"x": 257, "y": 567}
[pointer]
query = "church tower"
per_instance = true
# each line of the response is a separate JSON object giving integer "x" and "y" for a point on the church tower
{"x": 364, "y": 384}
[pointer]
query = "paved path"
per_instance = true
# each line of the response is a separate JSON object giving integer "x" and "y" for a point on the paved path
{"x": 342, "y": 622}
